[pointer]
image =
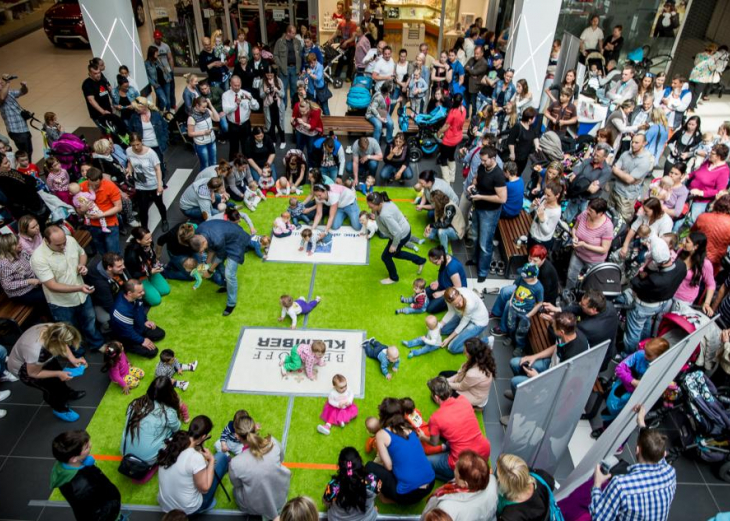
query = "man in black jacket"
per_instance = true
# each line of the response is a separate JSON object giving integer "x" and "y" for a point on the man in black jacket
{"x": 107, "y": 277}
{"x": 89, "y": 492}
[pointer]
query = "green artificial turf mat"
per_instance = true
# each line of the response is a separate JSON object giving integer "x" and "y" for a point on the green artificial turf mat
{"x": 352, "y": 298}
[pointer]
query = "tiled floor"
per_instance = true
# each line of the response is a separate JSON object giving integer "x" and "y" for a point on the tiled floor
{"x": 54, "y": 78}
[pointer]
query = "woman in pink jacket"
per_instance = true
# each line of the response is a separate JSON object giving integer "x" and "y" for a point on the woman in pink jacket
{"x": 117, "y": 365}
{"x": 708, "y": 180}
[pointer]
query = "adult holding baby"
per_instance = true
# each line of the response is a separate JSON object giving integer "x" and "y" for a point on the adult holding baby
{"x": 405, "y": 473}
{"x": 396, "y": 228}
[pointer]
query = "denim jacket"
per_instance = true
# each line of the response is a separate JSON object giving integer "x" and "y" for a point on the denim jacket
{"x": 158, "y": 123}
{"x": 508, "y": 95}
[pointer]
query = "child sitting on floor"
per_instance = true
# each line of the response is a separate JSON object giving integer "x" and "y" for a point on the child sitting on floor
{"x": 228, "y": 443}
{"x": 310, "y": 239}
{"x": 352, "y": 490}
{"x": 386, "y": 355}
{"x": 418, "y": 302}
{"x": 117, "y": 365}
{"x": 296, "y": 210}
{"x": 283, "y": 226}
{"x": 296, "y": 307}
{"x": 87, "y": 200}
{"x": 283, "y": 187}
{"x": 253, "y": 196}
{"x": 304, "y": 355}
{"x": 170, "y": 366}
{"x": 372, "y": 425}
{"x": 194, "y": 269}
{"x": 420, "y": 425}
{"x": 260, "y": 245}
{"x": 339, "y": 408}
{"x": 418, "y": 187}
{"x": 431, "y": 341}
{"x": 266, "y": 181}
{"x": 368, "y": 186}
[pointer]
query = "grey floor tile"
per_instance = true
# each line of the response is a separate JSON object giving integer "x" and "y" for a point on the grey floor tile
{"x": 709, "y": 473}
{"x": 14, "y": 424}
{"x": 23, "y": 480}
{"x": 22, "y": 394}
{"x": 44, "y": 427}
{"x": 495, "y": 435}
{"x": 692, "y": 502}
{"x": 94, "y": 382}
{"x": 721, "y": 494}
{"x": 505, "y": 405}
{"x": 492, "y": 411}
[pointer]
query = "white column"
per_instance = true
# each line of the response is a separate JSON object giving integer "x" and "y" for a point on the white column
{"x": 114, "y": 38}
{"x": 531, "y": 36}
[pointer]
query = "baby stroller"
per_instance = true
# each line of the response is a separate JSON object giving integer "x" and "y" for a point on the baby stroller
{"x": 425, "y": 141}
{"x": 604, "y": 277}
{"x": 358, "y": 98}
{"x": 115, "y": 128}
{"x": 332, "y": 56}
{"x": 71, "y": 151}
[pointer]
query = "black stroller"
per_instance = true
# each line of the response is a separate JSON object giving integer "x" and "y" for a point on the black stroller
{"x": 332, "y": 55}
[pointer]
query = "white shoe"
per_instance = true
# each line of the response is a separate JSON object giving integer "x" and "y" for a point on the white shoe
{"x": 322, "y": 429}
{"x": 348, "y": 150}
{"x": 8, "y": 377}
{"x": 490, "y": 342}
{"x": 183, "y": 385}
{"x": 3, "y": 413}
{"x": 192, "y": 366}
{"x": 134, "y": 223}
{"x": 4, "y": 395}
{"x": 282, "y": 146}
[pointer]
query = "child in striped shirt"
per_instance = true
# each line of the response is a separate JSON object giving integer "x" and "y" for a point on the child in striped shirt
{"x": 170, "y": 366}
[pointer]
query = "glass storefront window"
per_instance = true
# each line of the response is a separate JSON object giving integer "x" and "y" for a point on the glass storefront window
{"x": 19, "y": 17}
{"x": 638, "y": 18}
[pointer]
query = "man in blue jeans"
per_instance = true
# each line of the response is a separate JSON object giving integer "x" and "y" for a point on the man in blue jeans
{"x": 59, "y": 263}
{"x": 288, "y": 59}
{"x": 366, "y": 155}
{"x": 225, "y": 242}
{"x": 570, "y": 342}
{"x": 491, "y": 194}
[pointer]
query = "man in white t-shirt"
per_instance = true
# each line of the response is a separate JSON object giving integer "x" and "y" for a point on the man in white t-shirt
{"x": 373, "y": 57}
{"x": 591, "y": 39}
{"x": 384, "y": 69}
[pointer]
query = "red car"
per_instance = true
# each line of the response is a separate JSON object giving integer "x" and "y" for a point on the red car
{"x": 64, "y": 24}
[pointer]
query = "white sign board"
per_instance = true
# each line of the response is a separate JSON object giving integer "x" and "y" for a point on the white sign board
{"x": 255, "y": 368}
{"x": 344, "y": 246}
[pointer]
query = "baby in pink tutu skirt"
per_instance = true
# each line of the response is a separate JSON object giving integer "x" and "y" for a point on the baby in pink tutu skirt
{"x": 339, "y": 408}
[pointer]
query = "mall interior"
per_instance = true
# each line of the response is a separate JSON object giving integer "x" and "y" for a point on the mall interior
{"x": 47, "y": 45}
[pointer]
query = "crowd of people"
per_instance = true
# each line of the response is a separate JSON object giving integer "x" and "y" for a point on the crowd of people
{"x": 666, "y": 227}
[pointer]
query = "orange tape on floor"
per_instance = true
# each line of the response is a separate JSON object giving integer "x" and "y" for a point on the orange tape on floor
{"x": 291, "y": 465}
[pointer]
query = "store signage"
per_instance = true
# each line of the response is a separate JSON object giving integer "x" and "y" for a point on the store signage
{"x": 279, "y": 15}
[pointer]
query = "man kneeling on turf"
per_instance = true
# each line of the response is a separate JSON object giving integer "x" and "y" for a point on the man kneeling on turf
{"x": 129, "y": 322}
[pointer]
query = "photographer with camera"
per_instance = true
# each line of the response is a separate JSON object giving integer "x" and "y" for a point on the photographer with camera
{"x": 14, "y": 115}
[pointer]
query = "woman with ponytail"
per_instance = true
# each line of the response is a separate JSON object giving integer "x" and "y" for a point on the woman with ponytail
{"x": 350, "y": 494}
{"x": 396, "y": 228}
{"x": 190, "y": 473}
{"x": 260, "y": 481}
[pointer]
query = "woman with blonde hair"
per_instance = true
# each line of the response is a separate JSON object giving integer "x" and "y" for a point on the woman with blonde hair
{"x": 190, "y": 92}
{"x": 16, "y": 276}
{"x": 35, "y": 361}
{"x": 523, "y": 495}
{"x": 260, "y": 481}
{"x": 299, "y": 508}
{"x": 657, "y": 134}
{"x": 467, "y": 316}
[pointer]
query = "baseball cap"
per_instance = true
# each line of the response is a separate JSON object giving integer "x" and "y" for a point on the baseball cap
{"x": 157, "y": 34}
{"x": 497, "y": 56}
{"x": 529, "y": 271}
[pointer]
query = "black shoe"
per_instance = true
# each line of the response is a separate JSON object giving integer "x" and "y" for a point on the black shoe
{"x": 165, "y": 226}
{"x": 228, "y": 310}
{"x": 497, "y": 331}
{"x": 222, "y": 290}
{"x": 76, "y": 395}
{"x": 481, "y": 279}
{"x": 471, "y": 262}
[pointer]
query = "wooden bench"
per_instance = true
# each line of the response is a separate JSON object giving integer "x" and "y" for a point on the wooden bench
{"x": 509, "y": 231}
{"x": 538, "y": 338}
{"x": 348, "y": 124}
{"x": 82, "y": 237}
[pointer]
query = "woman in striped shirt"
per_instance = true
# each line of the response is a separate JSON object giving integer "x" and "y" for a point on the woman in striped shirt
{"x": 16, "y": 276}
{"x": 592, "y": 236}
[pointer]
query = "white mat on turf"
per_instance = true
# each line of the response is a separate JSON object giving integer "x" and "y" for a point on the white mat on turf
{"x": 489, "y": 283}
{"x": 255, "y": 365}
{"x": 347, "y": 247}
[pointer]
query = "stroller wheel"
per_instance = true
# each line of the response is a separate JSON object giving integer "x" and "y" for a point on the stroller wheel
{"x": 415, "y": 154}
{"x": 723, "y": 471}
{"x": 413, "y": 142}
{"x": 337, "y": 83}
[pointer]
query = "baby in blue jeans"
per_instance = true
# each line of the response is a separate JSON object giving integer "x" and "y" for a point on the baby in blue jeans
{"x": 429, "y": 342}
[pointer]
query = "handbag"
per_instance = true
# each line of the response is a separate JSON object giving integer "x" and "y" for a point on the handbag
{"x": 132, "y": 466}
{"x": 323, "y": 94}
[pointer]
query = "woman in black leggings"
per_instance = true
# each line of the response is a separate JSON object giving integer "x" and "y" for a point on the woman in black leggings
{"x": 144, "y": 170}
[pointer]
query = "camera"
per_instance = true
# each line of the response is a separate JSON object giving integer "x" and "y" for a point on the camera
{"x": 608, "y": 463}
{"x": 9, "y": 77}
